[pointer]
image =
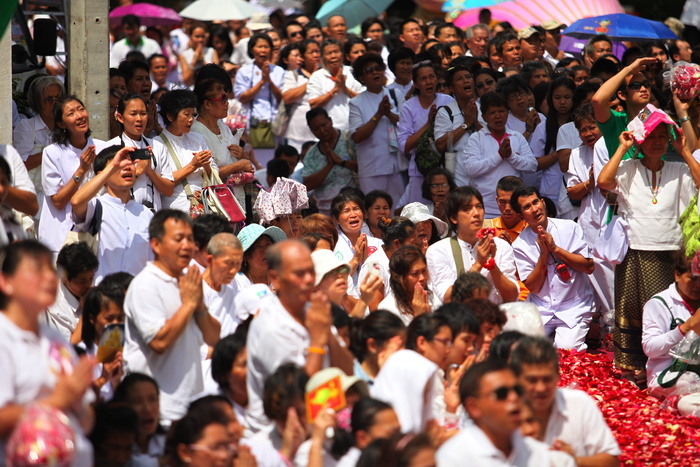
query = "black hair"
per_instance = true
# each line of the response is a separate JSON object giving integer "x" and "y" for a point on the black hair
{"x": 422, "y": 61}
{"x": 533, "y": 351}
{"x": 208, "y": 404}
{"x": 115, "y": 285}
{"x": 203, "y": 87}
{"x": 60, "y": 135}
{"x": 131, "y": 20}
{"x": 358, "y": 67}
{"x": 460, "y": 318}
{"x": 258, "y": 36}
{"x": 407, "y": 21}
{"x": 492, "y": 99}
{"x": 436, "y": 54}
{"x": 522, "y": 192}
{"x": 150, "y": 61}
{"x": 135, "y": 56}
{"x": 304, "y": 44}
{"x": 5, "y": 168}
{"x": 457, "y": 199}
{"x": 426, "y": 325}
{"x": 566, "y": 61}
{"x": 470, "y": 384}
{"x": 509, "y": 183}
{"x": 349, "y": 44}
{"x": 397, "y": 228}
{"x": 529, "y": 68}
{"x": 341, "y": 318}
{"x": 588, "y": 48}
{"x": 399, "y": 266}
{"x": 441, "y": 26}
{"x": 427, "y": 181}
{"x": 286, "y": 150}
{"x": 121, "y": 394}
{"x": 128, "y": 67}
{"x": 205, "y": 226}
{"x": 156, "y": 228}
{"x": 213, "y": 71}
{"x": 582, "y": 91}
{"x": 380, "y": 325}
{"x": 487, "y": 312}
{"x": 282, "y": 389}
{"x": 399, "y": 53}
{"x": 552, "y": 124}
{"x": 76, "y": 258}
{"x": 468, "y": 283}
{"x": 603, "y": 66}
{"x": 110, "y": 418}
{"x": 311, "y": 239}
{"x": 397, "y": 451}
{"x": 93, "y": 303}
{"x": 315, "y": 112}
{"x": 225, "y": 352}
{"x": 292, "y": 22}
{"x": 103, "y": 158}
{"x": 123, "y": 101}
{"x": 502, "y": 344}
{"x": 188, "y": 430}
{"x": 583, "y": 114}
{"x": 368, "y": 23}
{"x": 374, "y": 195}
{"x": 174, "y": 101}
{"x": 364, "y": 413}
{"x": 13, "y": 254}
{"x": 511, "y": 85}
{"x": 454, "y": 69}
{"x": 277, "y": 168}
{"x": 501, "y": 39}
{"x": 343, "y": 199}
{"x": 286, "y": 51}
{"x": 220, "y": 32}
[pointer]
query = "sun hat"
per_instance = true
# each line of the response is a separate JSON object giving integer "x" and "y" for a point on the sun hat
{"x": 326, "y": 261}
{"x": 250, "y": 233}
{"x": 259, "y": 22}
{"x": 647, "y": 120}
{"x": 419, "y": 212}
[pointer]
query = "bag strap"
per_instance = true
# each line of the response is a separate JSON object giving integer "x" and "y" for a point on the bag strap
{"x": 351, "y": 150}
{"x": 677, "y": 366}
{"x": 449, "y": 113}
{"x": 675, "y": 322}
{"x": 178, "y": 166}
{"x": 392, "y": 93}
{"x": 457, "y": 255}
{"x": 93, "y": 227}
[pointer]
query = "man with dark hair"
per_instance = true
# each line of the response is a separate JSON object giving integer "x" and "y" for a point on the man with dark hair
{"x": 493, "y": 400}
{"x": 166, "y": 318}
{"x": 448, "y": 32}
{"x": 509, "y": 224}
{"x": 400, "y": 63}
{"x": 411, "y": 34}
{"x": 298, "y": 334}
{"x": 680, "y": 50}
{"x": 508, "y": 49}
{"x": 133, "y": 41}
{"x": 553, "y": 260}
{"x": 293, "y": 32}
{"x": 571, "y": 420}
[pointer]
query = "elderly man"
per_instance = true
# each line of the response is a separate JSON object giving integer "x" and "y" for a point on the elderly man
{"x": 166, "y": 317}
{"x": 286, "y": 331}
{"x": 492, "y": 398}
{"x": 134, "y": 41}
{"x": 336, "y": 28}
{"x": 477, "y": 40}
{"x": 571, "y": 421}
{"x": 224, "y": 258}
{"x": 597, "y": 46}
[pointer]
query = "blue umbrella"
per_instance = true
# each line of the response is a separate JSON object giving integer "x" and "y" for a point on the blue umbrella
{"x": 354, "y": 11}
{"x": 620, "y": 27}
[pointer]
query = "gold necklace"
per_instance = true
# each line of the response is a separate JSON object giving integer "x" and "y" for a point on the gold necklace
{"x": 654, "y": 190}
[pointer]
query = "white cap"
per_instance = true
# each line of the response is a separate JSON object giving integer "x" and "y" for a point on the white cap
{"x": 259, "y": 22}
{"x": 419, "y": 212}
{"x": 326, "y": 261}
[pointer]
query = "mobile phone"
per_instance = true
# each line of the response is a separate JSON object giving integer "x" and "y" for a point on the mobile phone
{"x": 563, "y": 272}
{"x": 140, "y": 155}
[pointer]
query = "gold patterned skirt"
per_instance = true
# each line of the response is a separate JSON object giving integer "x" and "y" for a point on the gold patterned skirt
{"x": 639, "y": 277}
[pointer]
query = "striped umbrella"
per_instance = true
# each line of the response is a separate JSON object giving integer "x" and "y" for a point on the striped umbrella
{"x": 523, "y": 13}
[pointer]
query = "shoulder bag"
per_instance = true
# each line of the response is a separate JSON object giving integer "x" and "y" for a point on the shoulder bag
{"x": 195, "y": 198}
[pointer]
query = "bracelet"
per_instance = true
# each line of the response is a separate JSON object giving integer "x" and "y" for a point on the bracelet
{"x": 489, "y": 264}
{"x": 316, "y": 350}
{"x": 681, "y": 121}
{"x": 199, "y": 314}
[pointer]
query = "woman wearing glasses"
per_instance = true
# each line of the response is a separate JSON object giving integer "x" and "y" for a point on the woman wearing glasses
{"x": 200, "y": 439}
{"x": 374, "y": 114}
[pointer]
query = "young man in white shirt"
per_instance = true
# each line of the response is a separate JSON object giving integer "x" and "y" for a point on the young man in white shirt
{"x": 166, "y": 319}
{"x": 570, "y": 419}
{"x": 285, "y": 331}
{"x": 553, "y": 261}
{"x": 492, "y": 397}
{"x": 134, "y": 41}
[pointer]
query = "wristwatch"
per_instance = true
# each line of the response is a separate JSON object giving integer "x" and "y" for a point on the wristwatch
{"x": 465, "y": 126}
{"x": 77, "y": 179}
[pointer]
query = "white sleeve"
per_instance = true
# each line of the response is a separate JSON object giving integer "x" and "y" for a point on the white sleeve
{"x": 356, "y": 120}
{"x": 314, "y": 88}
{"x": 505, "y": 259}
{"x": 538, "y": 139}
{"x": 442, "y": 269}
{"x": 477, "y": 161}
{"x": 20, "y": 176}
{"x": 443, "y": 124}
{"x": 144, "y": 309}
{"x": 522, "y": 158}
{"x": 576, "y": 169}
{"x": 657, "y": 337}
{"x": 23, "y": 139}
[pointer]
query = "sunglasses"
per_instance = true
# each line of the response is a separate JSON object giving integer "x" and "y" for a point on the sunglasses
{"x": 51, "y": 100}
{"x": 502, "y": 393}
{"x": 221, "y": 98}
{"x": 372, "y": 69}
{"x": 637, "y": 85}
{"x": 295, "y": 34}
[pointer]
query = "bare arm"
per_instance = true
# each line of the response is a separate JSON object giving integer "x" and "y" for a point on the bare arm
{"x": 606, "y": 179}
{"x": 598, "y": 460}
{"x": 33, "y": 161}
{"x": 21, "y": 200}
{"x": 292, "y": 95}
{"x": 210, "y": 327}
{"x": 601, "y": 99}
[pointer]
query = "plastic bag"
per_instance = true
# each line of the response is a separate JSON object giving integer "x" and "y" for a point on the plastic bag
{"x": 685, "y": 79}
{"x": 688, "y": 349}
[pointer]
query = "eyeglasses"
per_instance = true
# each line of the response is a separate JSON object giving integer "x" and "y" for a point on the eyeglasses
{"x": 483, "y": 84}
{"x": 502, "y": 393}
{"x": 517, "y": 95}
{"x": 444, "y": 341}
{"x": 227, "y": 449}
{"x": 51, "y": 100}
{"x": 435, "y": 186}
{"x": 637, "y": 85}
{"x": 221, "y": 98}
{"x": 372, "y": 69}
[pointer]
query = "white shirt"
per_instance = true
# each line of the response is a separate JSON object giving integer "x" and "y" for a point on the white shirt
{"x": 30, "y": 366}
{"x": 536, "y": 142}
{"x": 321, "y": 82}
{"x": 64, "y": 314}
{"x": 389, "y": 304}
{"x": 653, "y": 227}
{"x": 218, "y": 144}
{"x": 151, "y": 300}
{"x": 29, "y": 137}
{"x": 577, "y": 420}
{"x": 58, "y": 166}
{"x": 551, "y": 181}
{"x": 121, "y": 48}
{"x": 443, "y": 270}
{"x": 568, "y": 137}
{"x": 297, "y": 129}
{"x": 123, "y": 244}
{"x": 482, "y": 163}
{"x": 376, "y": 155}
{"x": 473, "y": 444}
{"x": 20, "y": 178}
{"x": 569, "y": 301}
{"x": 444, "y": 124}
{"x": 344, "y": 250}
{"x": 264, "y": 104}
{"x": 657, "y": 336}
{"x": 401, "y": 88}
{"x": 593, "y": 213}
{"x": 220, "y": 306}
{"x": 144, "y": 190}
{"x": 184, "y": 147}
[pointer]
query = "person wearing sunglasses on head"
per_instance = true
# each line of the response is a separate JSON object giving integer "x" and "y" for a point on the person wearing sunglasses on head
{"x": 571, "y": 420}
{"x": 492, "y": 397}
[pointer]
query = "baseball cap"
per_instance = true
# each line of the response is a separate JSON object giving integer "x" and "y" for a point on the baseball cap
{"x": 552, "y": 24}
{"x": 326, "y": 261}
{"x": 419, "y": 212}
{"x": 527, "y": 32}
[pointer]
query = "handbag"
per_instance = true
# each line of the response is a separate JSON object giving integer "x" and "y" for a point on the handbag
{"x": 427, "y": 155}
{"x": 613, "y": 244}
{"x": 91, "y": 234}
{"x": 261, "y": 136}
{"x": 690, "y": 226}
{"x": 195, "y": 198}
{"x": 678, "y": 366}
{"x": 218, "y": 198}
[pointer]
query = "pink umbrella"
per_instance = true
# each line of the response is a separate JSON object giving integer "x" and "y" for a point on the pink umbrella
{"x": 149, "y": 14}
{"x": 523, "y": 13}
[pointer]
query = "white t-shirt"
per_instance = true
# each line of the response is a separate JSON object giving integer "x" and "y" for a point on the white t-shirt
{"x": 152, "y": 299}
{"x": 64, "y": 314}
{"x": 400, "y": 88}
{"x": 389, "y": 304}
{"x": 144, "y": 190}
{"x": 31, "y": 136}
{"x": 443, "y": 270}
{"x": 220, "y": 306}
{"x": 593, "y": 213}
{"x": 121, "y": 48}
{"x": 58, "y": 166}
{"x": 321, "y": 82}
{"x": 536, "y": 143}
{"x": 185, "y": 147}
{"x": 297, "y": 129}
{"x": 218, "y": 144}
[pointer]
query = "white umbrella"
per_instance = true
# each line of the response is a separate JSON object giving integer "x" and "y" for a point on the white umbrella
{"x": 219, "y": 10}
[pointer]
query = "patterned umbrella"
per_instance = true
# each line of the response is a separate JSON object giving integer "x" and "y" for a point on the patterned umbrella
{"x": 149, "y": 14}
{"x": 523, "y": 13}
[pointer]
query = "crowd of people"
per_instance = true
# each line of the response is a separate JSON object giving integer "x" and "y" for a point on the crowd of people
{"x": 402, "y": 188}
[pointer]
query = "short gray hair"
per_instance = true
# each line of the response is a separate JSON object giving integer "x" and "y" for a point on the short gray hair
{"x": 219, "y": 242}
{"x": 38, "y": 88}
{"x": 471, "y": 29}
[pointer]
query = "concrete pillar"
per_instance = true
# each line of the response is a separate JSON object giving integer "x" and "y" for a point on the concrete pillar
{"x": 6, "y": 89}
{"x": 88, "y": 60}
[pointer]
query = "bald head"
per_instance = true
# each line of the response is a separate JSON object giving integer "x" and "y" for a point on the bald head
{"x": 292, "y": 273}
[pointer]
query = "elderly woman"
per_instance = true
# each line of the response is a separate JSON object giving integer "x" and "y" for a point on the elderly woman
{"x": 31, "y": 136}
{"x": 651, "y": 195}
{"x": 296, "y": 97}
{"x": 190, "y": 157}
{"x": 374, "y": 114}
{"x": 255, "y": 240}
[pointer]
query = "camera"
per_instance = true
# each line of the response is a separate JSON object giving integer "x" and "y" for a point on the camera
{"x": 140, "y": 155}
{"x": 254, "y": 122}
{"x": 563, "y": 272}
